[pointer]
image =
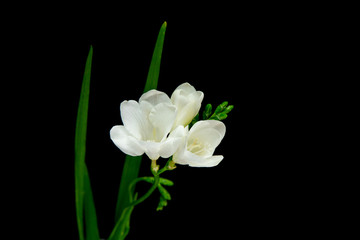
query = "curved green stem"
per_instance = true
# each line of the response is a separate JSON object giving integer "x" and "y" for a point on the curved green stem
{"x": 132, "y": 185}
{"x": 147, "y": 194}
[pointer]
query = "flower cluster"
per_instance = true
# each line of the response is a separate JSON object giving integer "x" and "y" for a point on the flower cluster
{"x": 158, "y": 126}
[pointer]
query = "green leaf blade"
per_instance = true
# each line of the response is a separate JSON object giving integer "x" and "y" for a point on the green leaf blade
{"x": 92, "y": 231}
{"x": 154, "y": 69}
{"x": 80, "y": 145}
{"x": 83, "y": 195}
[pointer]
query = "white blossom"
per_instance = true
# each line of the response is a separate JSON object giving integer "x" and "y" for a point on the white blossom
{"x": 188, "y": 103}
{"x": 199, "y": 144}
{"x": 147, "y": 125}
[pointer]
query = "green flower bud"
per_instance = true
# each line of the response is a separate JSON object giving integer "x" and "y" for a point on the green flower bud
{"x": 163, "y": 181}
{"x": 228, "y": 109}
{"x": 164, "y": 192}
{"x": 162, "y": 204}
{"x": 221, "y": 107}
{"x": 221, "y": 116}
{"x": 166, "y": 182}
{"x": 207, "y": 111}
{"x": 148, "y": 179}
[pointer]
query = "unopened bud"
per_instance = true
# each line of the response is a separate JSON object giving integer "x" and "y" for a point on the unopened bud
{"x": 207, "y": 111}
{"x": 221, "y": 107}
{"x": 221, "y": 116}
{"x": 164, "y": 192}
{"x": 228, "y": 109}
{"x": 166, "y": 182}
{"x": 162, "y": 204}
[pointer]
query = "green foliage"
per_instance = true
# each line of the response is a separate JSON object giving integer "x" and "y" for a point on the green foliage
{"x": 85, "y": 208}
{"x": 154, "y": 69}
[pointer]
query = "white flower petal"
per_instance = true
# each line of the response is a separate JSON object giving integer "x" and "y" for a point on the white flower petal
{"x": 212, "y": 161}
{"x": 162, "y": 117}
{"x": 151, "y": 149}
{"x": 200, "y": 144}
{"x": 154, "y": 97}
{"x": 185, "y": 87}
{"x": 179, "y": 98}
{"x": 219, "y": 126}
{"x": 125, "y": 141}
{"x": 187, "y": 113}
{"x": 133, "y": 118}
{"x": 209, "y": 131}
{"x": 179, "y": 157}
{"x": 192, "y": 159}
{"x": 188, "y": 102}
{"x": 173, "y": 142}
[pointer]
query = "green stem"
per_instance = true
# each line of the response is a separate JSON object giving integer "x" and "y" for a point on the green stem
{"x": 170, "y": 165}
{"x": 156, "y": 172}
{"x": 147, "y": 194}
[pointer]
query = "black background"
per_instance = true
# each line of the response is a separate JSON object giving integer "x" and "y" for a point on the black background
{"x": 267, "y": 63}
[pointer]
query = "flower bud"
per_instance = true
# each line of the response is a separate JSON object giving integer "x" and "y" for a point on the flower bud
{"x": 188, "y": 102}
{"x": 162, "y": 203}
{"x": 221, "y": 116}
{"x": 207, "y": 111}
{"x": 166, "y": 182}
{"x": 164, "y": 192}
{"x": 221, "y": 107}
{"x": 228, "y": 109}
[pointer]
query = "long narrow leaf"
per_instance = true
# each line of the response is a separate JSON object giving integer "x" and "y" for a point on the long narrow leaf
{"x": 92, "y": 231}
{"x": 154, "y": 69}
{"x": 83, "y": 194}
{"x": 132, "y": 164}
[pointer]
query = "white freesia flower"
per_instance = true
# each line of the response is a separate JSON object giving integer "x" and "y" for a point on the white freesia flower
{"x": 199, "y": 144}
{"x": 188, "y": 103}
{"x": 146, "y": 128}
